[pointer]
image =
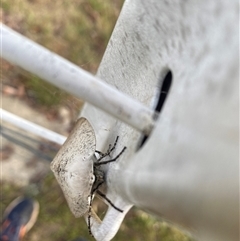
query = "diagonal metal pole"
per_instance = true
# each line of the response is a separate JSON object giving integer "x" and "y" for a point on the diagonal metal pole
{"x": 58, "y": 71}
{"x": 31, "y": 127}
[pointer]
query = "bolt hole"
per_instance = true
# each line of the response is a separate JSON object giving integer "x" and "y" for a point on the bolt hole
{"x": 160, "y": 97}
{"x": 166, "y": 84}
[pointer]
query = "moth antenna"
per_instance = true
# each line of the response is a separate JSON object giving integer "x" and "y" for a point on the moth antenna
{"x": 114, "y": 146}
{"x": 110, "y": 149}
{"x": 112, "y": 160}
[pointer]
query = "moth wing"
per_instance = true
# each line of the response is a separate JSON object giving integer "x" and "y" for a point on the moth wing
{"x": 73, "y": 166}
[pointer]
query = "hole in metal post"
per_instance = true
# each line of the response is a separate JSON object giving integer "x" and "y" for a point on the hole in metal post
{"x": 160, "y": 98}
{"x": 166, "y": 84}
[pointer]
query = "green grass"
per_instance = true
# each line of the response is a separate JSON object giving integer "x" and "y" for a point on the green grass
{"x": 56, "y": 223}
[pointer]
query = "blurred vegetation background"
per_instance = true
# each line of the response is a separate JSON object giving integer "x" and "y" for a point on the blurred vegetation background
{"x": 79, "y": 31}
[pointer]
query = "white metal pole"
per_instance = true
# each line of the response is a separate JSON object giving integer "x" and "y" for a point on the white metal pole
{"x": 25, "y": 53}
{"x": 31, "y": 127}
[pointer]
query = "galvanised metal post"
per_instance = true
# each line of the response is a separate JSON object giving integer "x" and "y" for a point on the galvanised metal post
{"x": 187, "y": 170}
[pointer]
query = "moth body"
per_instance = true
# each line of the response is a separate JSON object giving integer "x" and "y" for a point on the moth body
{"x": 73, "y": 167}
{"x": 79, "y": 172}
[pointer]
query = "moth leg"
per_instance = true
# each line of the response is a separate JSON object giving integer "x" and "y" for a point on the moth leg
{"x": 112, "y": 160}
{"x": 100, "y": 153}
{"x": 90, "y": 215}
{"x": 110, "y": 149}
{"x": 108, "y": 200}
{"x": 97, "y": 187}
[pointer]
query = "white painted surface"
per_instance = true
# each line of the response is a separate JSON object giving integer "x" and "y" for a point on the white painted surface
{"x": 188, "y": 170}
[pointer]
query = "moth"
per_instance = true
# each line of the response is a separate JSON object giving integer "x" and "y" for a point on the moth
{"x": 78, "y": 171}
